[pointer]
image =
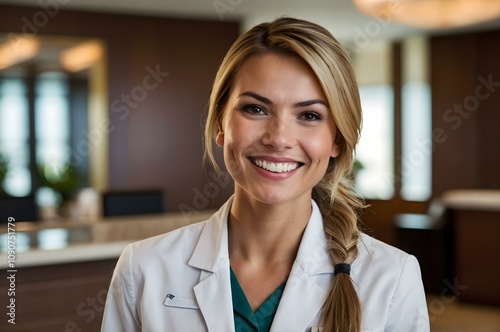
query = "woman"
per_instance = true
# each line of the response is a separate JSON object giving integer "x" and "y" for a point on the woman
{"x": 285, "y": 252}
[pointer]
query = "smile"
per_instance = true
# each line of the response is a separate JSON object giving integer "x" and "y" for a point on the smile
{"x": 275, "y": 167}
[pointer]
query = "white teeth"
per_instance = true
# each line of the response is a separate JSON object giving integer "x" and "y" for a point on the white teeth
{"x": 276, "y": 167}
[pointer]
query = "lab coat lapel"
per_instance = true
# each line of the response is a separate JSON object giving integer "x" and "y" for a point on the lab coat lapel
{"x": 301, "y": 302}
{"x": 214, "y": 299}
{"x": 304, "y": 296}
{"x": 213, "y": 292}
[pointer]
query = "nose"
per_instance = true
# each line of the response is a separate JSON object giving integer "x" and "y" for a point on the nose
{"x": 278, "y": 134}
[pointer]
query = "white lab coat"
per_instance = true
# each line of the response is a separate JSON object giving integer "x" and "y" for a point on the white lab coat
{"x": 180, "y": 281}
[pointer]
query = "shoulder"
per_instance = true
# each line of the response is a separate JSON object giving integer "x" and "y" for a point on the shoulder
{"x": 178, "y": 243}
{"x": 146, "y": 265}
{"x": 378, "y": 260}
{"x": 373, "y": 249}
{"x": 166, "y": 240}
{"x": 174, "y": 250}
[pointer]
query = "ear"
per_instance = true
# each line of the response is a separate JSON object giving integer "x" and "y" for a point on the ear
{"x": 337, "y": 139}
{"x": 219, "y": 139}
{"x": 335, "y": 150}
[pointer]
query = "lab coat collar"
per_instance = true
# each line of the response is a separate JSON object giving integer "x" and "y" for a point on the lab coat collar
{"x": 212, "y": 248}
{"x": 211, "y": 256}
{"x": 211, "y": 251}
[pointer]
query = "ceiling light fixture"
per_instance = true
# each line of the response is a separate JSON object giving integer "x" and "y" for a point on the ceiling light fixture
{"x": 17, "y": 50}
{"x": 81, "y": 56}
{"x": 431, "y": 13}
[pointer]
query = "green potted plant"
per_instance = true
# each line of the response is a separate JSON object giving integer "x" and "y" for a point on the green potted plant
{"x": 63, "y": 179}
{"x": 356, "y": 167}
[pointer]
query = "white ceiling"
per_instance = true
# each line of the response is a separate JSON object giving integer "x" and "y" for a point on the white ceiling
{"x": 339, "y": 16}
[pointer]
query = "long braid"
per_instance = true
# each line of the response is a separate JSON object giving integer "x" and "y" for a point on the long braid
{"x": 342, "y": 309}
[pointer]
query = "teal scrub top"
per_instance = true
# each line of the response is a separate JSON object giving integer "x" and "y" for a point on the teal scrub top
{"x": 245, "y": 320}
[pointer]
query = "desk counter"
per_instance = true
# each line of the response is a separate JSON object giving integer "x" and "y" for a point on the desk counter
{"x": 71, "y": 241}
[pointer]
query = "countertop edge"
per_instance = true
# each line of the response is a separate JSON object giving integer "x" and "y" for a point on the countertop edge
{"x": 71, "y": 254}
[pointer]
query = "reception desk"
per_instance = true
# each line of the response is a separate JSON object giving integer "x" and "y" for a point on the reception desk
{"x": 62, "y": 269}
{"x": 475, "y": 220}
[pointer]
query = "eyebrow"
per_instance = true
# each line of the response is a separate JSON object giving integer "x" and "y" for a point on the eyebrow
{"x": 267, "y": 101}
{"x": 260, "y": 98}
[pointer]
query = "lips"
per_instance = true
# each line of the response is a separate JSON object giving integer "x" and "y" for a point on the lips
{"x": 275, "y": 166}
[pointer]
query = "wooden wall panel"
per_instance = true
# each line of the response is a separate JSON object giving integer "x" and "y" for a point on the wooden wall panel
{"x": 489, "y": 118}
{"x": 466, "y": 111}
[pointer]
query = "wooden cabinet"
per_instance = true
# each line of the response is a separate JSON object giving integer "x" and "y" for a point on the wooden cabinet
{"x": 477, "y": 255}
{"x": 62, "y": 297}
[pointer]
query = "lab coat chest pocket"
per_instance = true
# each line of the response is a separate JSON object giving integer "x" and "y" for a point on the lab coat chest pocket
{"x": 179, "y": 313}
{"x": 180, "y": 302}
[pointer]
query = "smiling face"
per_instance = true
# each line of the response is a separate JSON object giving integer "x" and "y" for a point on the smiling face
{"x": 277, "y": 130}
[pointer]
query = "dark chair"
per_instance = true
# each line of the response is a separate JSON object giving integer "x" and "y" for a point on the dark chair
{"x": 124, "y": 203}
{"x": 19, "y": 208}
{"x": 428, "y": 237}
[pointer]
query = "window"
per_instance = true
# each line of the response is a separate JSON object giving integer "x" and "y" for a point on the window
{"x": 14, "y": 135}
{"x": 375, "y": 150}
{"x": 416, "y": 127}
{"x": 52, "y": 120}
{"x": 378, "y": 178}
{"x": 51, "y": 127}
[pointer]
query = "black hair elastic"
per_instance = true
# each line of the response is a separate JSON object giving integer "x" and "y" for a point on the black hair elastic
{"x": 342, "y": 268}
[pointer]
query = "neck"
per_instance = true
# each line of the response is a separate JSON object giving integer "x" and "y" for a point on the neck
{"x": 266, "y": 234}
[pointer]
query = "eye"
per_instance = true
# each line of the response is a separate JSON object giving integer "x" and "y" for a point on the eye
{"x": 310, "y": 116}
{"x": 253, "y": 109}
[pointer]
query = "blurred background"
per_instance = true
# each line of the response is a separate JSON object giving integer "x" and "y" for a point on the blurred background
{"x": 102, "y": 107}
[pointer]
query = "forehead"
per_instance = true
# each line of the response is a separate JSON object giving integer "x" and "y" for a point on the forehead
{"x": 272, "y": 73}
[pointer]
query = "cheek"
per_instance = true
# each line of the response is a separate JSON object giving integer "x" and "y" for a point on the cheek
{"x": 320, "y": 147}
{"x": 239, "y": 134}
{"x": 236, "y": 143}
{"x": 236, "y": 140}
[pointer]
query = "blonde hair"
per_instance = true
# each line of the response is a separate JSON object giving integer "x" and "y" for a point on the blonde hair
{"x": 334, "y": 195}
